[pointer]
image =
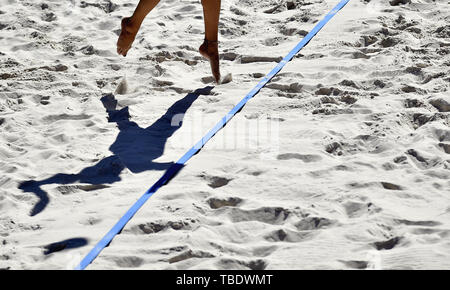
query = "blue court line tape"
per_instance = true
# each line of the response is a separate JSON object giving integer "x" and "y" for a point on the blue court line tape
{"x": 176, "y": 167}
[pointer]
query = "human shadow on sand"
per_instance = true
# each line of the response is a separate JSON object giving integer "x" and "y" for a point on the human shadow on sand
{"x": 135, "y": 148}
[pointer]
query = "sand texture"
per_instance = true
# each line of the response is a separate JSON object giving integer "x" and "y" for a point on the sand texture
{"x": 354, "y": 175}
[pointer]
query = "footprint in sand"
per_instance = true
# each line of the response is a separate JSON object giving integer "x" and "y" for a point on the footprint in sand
{"x": 216, "y": 203}
{"x": 314, "y": 223}
{"x": 360, "y": 265}
{"x": 252, "y": 59}
{"x": 268, "y": 215}
{"x": 263, "y": 251}
{"x": 224, "y": 79}
{"x": 189, "y": 254}
{"x": 285, "y": 235}
{"x": 155, "y": 227}
{"x": 417, "y": 223}
{"x": 234, "y": 264}
{"x": 215, "y": 181}
{"x": 388, "y": 244}
{"x": 303, "y": 157}
{"x": 69, "y": 189}
{"x": 445, "y": 147}
{"x": 128, "y": 261}
{"x": 65, "y": 117}
{"x": 420, "y": 160}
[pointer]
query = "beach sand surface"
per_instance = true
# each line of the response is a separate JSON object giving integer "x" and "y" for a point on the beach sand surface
{"x": 340, "y": 162}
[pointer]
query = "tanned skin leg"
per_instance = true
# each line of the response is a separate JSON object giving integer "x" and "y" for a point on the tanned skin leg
{"x": 131, "y": 25}
{"x": 210, "y": 48}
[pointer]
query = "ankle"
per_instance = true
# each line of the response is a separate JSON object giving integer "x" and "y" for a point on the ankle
{"x": 211, "y": 42}
{"x": 132, "y": 24}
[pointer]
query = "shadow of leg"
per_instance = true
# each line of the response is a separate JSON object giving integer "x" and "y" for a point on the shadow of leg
{"x": 33, "y": 186}
{"x": 105, "y": 171}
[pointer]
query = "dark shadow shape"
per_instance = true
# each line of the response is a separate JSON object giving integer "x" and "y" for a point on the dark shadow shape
{"x": 135, "y": 148}
{"x": 66, "y": 244}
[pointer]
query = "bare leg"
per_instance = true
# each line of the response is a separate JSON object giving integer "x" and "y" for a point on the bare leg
{"x": 210, "y": 48}
{"x": 131, "y": 25}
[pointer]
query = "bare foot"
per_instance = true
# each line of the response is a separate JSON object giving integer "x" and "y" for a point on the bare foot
{"x": 127, "y": 36}
{"x": 210, "y": 50}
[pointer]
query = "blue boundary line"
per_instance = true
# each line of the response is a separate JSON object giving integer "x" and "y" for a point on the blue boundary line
{"x": 176, "y": 167}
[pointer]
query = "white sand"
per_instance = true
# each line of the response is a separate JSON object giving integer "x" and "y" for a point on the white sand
{"x": 359, "y": 177}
